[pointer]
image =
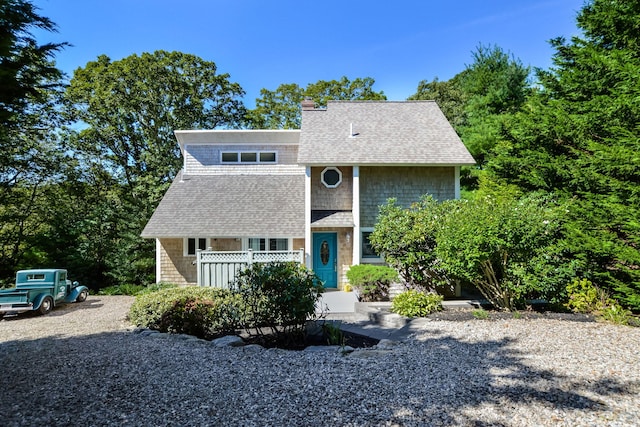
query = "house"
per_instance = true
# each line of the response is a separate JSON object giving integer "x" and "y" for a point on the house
{"x": 317, "y": 188}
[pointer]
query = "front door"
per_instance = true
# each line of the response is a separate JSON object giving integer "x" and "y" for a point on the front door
{"x": 325, "y": 258}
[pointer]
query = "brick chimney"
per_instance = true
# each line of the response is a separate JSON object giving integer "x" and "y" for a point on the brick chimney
{"x": 308, "y": 104}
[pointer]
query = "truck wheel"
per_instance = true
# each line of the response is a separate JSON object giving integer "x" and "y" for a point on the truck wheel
{"x": 45, "y": 306}
{"x": 83, "y": 296}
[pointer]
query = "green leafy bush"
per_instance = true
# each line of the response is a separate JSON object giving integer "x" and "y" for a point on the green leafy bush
{"x": 500, "y": 245}
{"x": 585, "y": 297}
{"x": 128, "y": 289}
{"x": 371, "y": 281}
{"x": 279, "y": 298}
{"x": 480, "y": 313}
{"x": 125, "y": 289}
{"x": 407, "y": 237}
{"x": 199, "y": 311}
{"x": 413, "y": 303}
{"x": 614, "y": 313}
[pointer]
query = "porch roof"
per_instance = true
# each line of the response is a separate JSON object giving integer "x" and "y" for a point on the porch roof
{"x": 324, "y": 218}
{"x": 230, "y": 206}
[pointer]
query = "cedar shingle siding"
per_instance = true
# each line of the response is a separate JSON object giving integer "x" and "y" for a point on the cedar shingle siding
{"x": 406, "y": 184}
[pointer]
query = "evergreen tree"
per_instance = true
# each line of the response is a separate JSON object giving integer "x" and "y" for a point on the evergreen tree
{"x": 579, "y": 137}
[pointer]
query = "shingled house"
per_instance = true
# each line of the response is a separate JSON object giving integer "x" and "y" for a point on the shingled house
{"x": 317, "y": 188}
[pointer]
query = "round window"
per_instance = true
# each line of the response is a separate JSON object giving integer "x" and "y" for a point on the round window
{"x": 331, "y": 177}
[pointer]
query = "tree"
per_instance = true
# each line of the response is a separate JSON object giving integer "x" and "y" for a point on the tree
{"x": 449, "y": 95}
{"x": 280, "y": 109}
{"x": 579, "y": 137}
{"x": 26, "y": 70}
{"x": 480, "y": 101}
{"x": 128, "y": 110}
{"x": 131, "y": 108}
{"x": 29, "y": 159}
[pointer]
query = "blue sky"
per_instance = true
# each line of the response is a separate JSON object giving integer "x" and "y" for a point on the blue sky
{"x": 264, "y": 43}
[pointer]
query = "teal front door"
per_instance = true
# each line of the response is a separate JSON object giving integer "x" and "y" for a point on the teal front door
{"x": 325, "y": 258}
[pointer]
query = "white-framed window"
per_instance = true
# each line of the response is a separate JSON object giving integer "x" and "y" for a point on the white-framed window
{"x": 367, "y": 253}
{"x": 331, "y": 177}
{"x": 192, "y": 244}
{"x": 248, "y": 157}
{"x": 266, "y": 244}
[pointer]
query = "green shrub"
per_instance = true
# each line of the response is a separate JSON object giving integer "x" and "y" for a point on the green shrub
{"x": 413, "y": 303}
{"x": 480, "y": 313}
{"x": 585, "y": 297}
{"x": 278, "y": 297}
{"x": 125, "y": 289}
{"x": 371, "y": 281}
{"x": 614, "y": 313}
{"x": 407, "y": 237}
{"x": 128, "y": 289}
{"x": 199, "y": 311}
{"x": 332, "y": 333}
{"x": 501, "y": 245}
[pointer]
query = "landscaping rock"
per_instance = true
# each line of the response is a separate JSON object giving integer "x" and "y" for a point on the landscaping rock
{"x": 228, "y": 341}
{"x": 386, "y": 344}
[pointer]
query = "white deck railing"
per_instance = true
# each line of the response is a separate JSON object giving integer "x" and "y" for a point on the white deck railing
{"x": 219, "y": 269}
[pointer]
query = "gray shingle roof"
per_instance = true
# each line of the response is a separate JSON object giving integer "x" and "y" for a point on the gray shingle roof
{"x": 384, "y": 133}
{"x": 230, "y": 206}
{"x": 324, "y": 218}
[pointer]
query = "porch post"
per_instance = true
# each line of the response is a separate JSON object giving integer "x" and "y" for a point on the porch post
{"x": 199, "y": 267}
{"x": 457, "y": 182}
{"x": 307, "y": 218}
{"x": 355, "y": 208}
{"x": 158, "y": 261}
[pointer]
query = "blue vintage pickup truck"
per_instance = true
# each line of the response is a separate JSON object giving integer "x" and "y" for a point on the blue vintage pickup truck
{"x": 40, "y": 291}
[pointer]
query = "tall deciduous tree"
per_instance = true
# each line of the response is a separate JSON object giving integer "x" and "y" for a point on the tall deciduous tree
{"x": 127, "y": 111}
{"x": 280, "y": 109}
{"x": 580, "y": 137}
{"x": 132, "y": 106}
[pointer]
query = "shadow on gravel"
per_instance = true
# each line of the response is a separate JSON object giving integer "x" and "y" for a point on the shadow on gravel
{"x": 123, "y": 378}
{"x": 495, "y": 373}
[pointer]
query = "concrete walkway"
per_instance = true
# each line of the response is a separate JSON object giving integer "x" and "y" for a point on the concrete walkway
{"x": 374, "y": 319}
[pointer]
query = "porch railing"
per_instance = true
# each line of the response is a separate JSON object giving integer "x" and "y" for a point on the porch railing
{"x": 219, "y": 269}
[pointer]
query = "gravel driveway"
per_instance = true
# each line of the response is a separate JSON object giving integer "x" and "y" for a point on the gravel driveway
{"x": 83, "y": 366}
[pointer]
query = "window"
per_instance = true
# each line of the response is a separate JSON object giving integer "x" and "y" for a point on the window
{"x": 229, "y": 157}
{"x": 193, "y": 244}
{"x": 331, "y": 177}
{"x": 367, "y": 252}
{"x": 35, "y": 276}
{"x": 265, "y": 244}
{"x": 248, "y": 157}
{"x": 267, "y": 157}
